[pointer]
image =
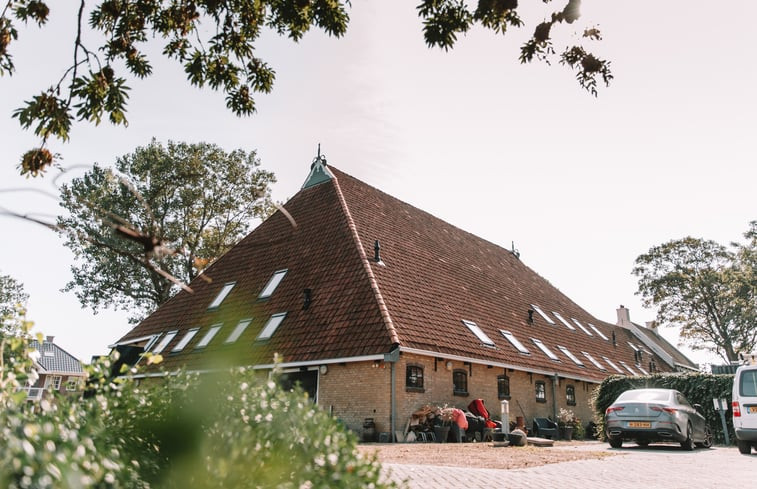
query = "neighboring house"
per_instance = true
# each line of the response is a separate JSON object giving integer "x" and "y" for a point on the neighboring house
{"x": 57, "y": 370}
{"x": 377, "y": 307}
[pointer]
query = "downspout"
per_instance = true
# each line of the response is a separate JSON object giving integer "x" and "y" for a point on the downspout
{"x": 392, "y": 358}
{"x": 555, "y": 383}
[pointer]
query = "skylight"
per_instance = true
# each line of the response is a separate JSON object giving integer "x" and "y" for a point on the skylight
{"x": 581, "y": 326}
{"x": 271, "y": 325}
{"x": 570, "y": 355}
{"x": 238, "y": 330}
{"x": 609, "y": 362}
{"x": 594, "y": 361}
{"x": 542, "y": 314}
{"x": 642, "y": 369}
{"x": 270, "y": 287}
{"x": 222, "y": 295}
{"x": 562, "y": 320}
{"x": 514, "y": 341}
{"x": 209, "y": 336}
{"x": 635, "y": 348}
{"x": 625, "y": 365}
{"x": 165, "y": 341}
{"x": 479, "y": 334}
{"x": 544, "y": 349}
{"x": 186, "y": 339}
{"x": 596, "y": 330}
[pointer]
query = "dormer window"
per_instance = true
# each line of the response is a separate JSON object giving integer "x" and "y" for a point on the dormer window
{"x": 478, "y": 332}
{"x": 238, "y": 330}
{"x": 271, "y": 326}
{"x": 562, "y": 320}
{"x": 222, "y": 295}
{"x": 270, "y": 287}
{"x": 514, "y": 341}
{"x": 570, "y": 355}
{"x": 581, "y": 326}
{"x": 165, "y": 341}
{"x": 544, "y": 349}
{"x": 185, "y": 340}
{"x": 209, "y": 336}
{"x": 542, "y": 314}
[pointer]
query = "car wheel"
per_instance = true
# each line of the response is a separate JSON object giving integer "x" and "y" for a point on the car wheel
{"x": 707, "y": 441}
{"x": 642, "y": 443}
{"x": 615, "y": 442}
{"x": 744, "y": 447}
{"x": 688, "y": 443}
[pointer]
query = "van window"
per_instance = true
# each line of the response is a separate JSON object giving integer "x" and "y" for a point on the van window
{"x": 748, "y": 384}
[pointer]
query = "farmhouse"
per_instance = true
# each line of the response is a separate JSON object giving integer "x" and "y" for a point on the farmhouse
{"x": 376, "y": 308}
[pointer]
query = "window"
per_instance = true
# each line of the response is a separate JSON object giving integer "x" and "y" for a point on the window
{"x": 642, "y": 370}
{"x": 503, "y": 387}
{"x": 582, "y": 327}
{"x": 562, "y": 320}
{"x": 625, "y": 365}
{"x": 594, "y": 361}
{"x": 570, "y": 395}
{"x": 541, "y": 391}
{"x": 71, "y": 384}
{"x": 238, "y": 330}
{"x": 55, "y": 381}
{"x": 222, "y": 295}
{"x": 542, "y": 314}
{"x": 514, "y": 341}
{"x": 271, "y": 326}
{"x": 632, "y": 346}
{"x": 596, "y": 330}
{"x": 478, "y": 332}
{"x": 165, "y": 341}
{"x": 208, "y": 336}
{"x": 570, "y": 355}
{"x": 460, "y": 383}
{"x": 609, "y": 362}
{"x": 544, "y": 349}
{"x": 186, "y": 339}
{"x": 270, "y": 287}
{"x": 414, "y": 378}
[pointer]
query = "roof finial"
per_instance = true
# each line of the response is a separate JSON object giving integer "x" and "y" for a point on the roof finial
{"x": 320, "y": 158}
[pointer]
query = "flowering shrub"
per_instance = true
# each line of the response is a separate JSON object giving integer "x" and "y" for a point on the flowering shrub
{"x": 228, "y": 429}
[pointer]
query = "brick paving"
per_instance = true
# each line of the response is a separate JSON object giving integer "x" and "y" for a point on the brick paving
{"x": 656, "y": 466}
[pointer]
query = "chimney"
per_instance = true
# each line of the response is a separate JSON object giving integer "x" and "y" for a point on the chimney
{"x": 49, "y": 339}
{"x": 624, "y": 317}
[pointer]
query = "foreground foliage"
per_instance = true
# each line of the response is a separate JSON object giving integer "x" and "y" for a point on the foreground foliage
{"x": 224, "y": 430}
{"x": 215, "y": 42}
{"x": 12, "y": 301}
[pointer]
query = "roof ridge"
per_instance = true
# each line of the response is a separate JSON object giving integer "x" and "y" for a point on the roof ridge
{"x": 366, "y": 265}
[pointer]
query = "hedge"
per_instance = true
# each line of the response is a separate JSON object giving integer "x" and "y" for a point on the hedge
{"x": 698, "y": 388}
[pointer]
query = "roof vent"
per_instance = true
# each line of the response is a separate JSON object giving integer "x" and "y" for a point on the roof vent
{"x": 308, "y": 298}
{"x": 377, "y": 252}
{"x": 515, "y": 252}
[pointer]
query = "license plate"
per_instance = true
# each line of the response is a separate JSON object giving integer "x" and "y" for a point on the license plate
{"x": 639, "y": 424}
{"x": 753, "y": 409}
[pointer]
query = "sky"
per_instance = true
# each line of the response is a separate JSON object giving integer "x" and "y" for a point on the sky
{"x": 516, "y": 154}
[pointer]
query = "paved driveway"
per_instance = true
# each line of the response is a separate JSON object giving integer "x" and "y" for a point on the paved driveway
{"x": 663, "y": 466}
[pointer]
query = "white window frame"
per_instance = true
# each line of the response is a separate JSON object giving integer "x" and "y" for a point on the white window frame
{"x": 55, "y": 381}
{"x": 582, "y": 327}
{"x": 72, "y": 384}
{"x": 570, "y": 355}
{"x": 610, "y": 363}
{"x": 476, "y": 330}
{"x": 165, "y": 341}
{"x": 542, "y": 314}
{"x": 271, "y": 326}
{"x": 642, "y": 369}
{"x": 625, "y": 365}
{"x": 224, "y": 292}
{"x": 238, "y": 330}
{"x": 514, "y": 341}
{"x": 596, "y": 330}
{"x": 185, "y": 339}
{"x": 273, "y": 283}
{"x": 635, "y": 348}
{"x": 562, "y": 320}
{"x": 539, "y": 343}
{"x": 594, "y": 361}
{"x": 212, "y": 332}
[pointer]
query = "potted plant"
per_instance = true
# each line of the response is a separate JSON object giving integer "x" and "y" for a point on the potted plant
{"x": 566, "y": 422}
{"x": 442, "y": 423}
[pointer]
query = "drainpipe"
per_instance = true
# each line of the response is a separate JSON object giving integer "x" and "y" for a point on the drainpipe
{"x": 392, "y": 358}
{"x": 555, "y": 384}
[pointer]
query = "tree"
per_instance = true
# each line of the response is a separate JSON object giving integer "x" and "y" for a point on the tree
{"x": 706, "y": 289}
{"x": 12, "y": 303}
{"x": 214, "y": 41}
{"x": 139, "y": 234}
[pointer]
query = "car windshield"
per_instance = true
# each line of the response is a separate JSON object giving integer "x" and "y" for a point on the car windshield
{"x": 644, "y": 396}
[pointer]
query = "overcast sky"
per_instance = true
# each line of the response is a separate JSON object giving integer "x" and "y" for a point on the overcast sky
{"x": 510, "y": 152}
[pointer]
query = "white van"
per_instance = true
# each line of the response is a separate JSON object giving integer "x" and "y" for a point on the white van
{"x": 744, "y": 403}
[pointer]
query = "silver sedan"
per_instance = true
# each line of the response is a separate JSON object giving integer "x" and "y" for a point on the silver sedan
{"x": 652, "y": 415}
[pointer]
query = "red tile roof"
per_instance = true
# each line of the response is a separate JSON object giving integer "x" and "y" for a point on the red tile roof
{"x": 432, "y": 276}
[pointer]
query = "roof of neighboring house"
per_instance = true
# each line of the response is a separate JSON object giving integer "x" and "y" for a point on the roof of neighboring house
{"x": 669, "y": 351}
{"x": 54, "y": 359}
{"x": 431, "y": 277}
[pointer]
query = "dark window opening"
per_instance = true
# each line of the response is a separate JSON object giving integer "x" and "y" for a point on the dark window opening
{"x": 460, "y": 383}
{"x": 541, "y": 391}
{"x": 570, "y": 395}
{"x": 306, "y": 380}
{"x": 503, "y": 387}
{"x": 414, "y": 378}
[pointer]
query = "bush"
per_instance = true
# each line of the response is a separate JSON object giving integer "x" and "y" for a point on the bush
{"x": 697, "y": 388}
{"x": 229, "y": 429}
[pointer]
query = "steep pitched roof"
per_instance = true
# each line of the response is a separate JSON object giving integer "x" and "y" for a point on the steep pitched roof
{"x": 431, "y": 277}
{"x": 54, "y": 359}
